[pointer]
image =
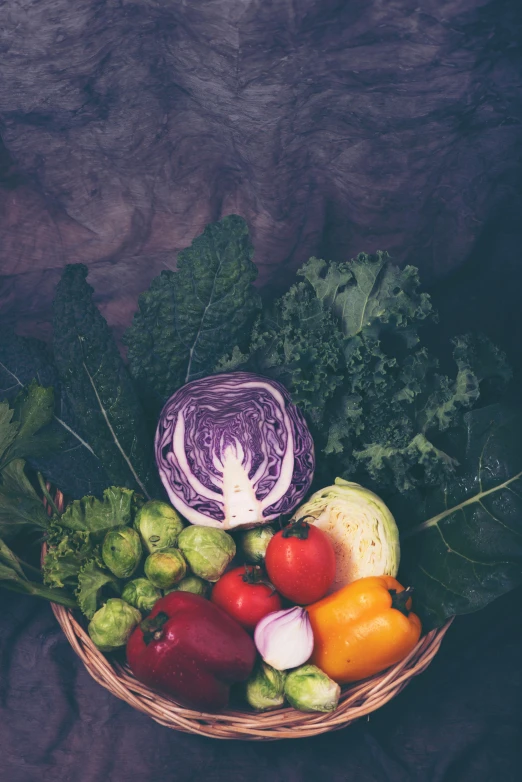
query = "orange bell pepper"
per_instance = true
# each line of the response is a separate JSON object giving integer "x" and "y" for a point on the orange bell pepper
{"x": 363, "y": 628}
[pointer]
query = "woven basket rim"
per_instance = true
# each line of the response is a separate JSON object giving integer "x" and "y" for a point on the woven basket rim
{"x": 357, "y": 700}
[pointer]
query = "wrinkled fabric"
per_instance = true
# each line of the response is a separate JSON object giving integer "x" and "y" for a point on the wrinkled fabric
{"x": 460, "y": 720}
{"x": 332, "y": 127}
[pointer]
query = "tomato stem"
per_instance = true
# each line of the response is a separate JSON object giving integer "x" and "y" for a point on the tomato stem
{"x": 254, "y": 575}
{"x": 298, "y": 529}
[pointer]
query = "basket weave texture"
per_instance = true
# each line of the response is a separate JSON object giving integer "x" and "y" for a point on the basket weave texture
{"x": 284, "y": 723}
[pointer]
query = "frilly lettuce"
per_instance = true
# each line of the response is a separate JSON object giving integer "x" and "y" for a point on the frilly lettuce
{"x": 73, "y": 559}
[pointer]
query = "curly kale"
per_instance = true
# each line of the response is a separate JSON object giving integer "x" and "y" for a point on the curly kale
{"x": 346, "y": 343}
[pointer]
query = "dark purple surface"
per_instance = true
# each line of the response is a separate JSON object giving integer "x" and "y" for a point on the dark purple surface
{"x": 460, "y": 721}
{"x": 457, "y": 722}
{"x": 332, "y": 127}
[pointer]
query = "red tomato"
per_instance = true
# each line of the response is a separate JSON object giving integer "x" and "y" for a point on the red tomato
{"x": 300, "y": 562}
{"x": 242, "y": 595}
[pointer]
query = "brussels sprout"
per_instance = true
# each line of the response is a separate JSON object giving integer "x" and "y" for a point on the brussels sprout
{"x": 207, "y": 550}
{"x": 159, "y": 525}
{"x": 141, "y": 593}
{"x": 309, "y": 689}
{"x": 191, "y": 584}
{"x": 165, "y": 568}
{"x": 113, "y": 623}
{"x": 121, "y": 551}
{"x": 253, "y": 543}
{"x": 265, "y": 688}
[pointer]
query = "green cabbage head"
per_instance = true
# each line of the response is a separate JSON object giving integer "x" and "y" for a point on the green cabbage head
{"x": 361, "y": 527}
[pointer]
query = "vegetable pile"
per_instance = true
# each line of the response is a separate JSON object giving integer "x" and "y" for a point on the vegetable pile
{"x": 248, "y": 492}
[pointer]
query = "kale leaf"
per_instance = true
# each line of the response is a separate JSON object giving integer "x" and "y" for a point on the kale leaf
{"x": 98, "y": 387}
{"x": 346, "y": 342}
{"x": 189, "y": 318}
{"x": 463, "y": 546}
{"x": 73, "y": 467}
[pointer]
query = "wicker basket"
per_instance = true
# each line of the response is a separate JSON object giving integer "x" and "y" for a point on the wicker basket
{"x": 285, "y": 723}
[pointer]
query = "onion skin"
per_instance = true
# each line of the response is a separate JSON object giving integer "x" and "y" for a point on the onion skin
{"x": 284, "y": 639}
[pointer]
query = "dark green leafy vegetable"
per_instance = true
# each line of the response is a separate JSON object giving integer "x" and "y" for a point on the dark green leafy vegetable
{"x": 21, "y": 509}
{"x": 73, "y": 467}
{"x": 23, "y": 430}
{"x": 76, "y": 537}
{"x": 98, "y": 386}
{"x": 298, "y": 342}
{"x": 464, "y": 546}
{"x": 188, "y": 318}
{"x": 13, "y": 577}
{"x": 346, "y": 343}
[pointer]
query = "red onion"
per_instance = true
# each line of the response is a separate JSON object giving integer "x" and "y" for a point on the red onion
{"x": 284, "y": 639}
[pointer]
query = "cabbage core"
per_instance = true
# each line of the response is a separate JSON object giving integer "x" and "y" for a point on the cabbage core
{"x": 232, "y": 450}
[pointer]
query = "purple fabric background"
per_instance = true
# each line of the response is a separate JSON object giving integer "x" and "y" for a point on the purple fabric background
{"x": 333, "y": 127}
{"x": 457, "y": 722}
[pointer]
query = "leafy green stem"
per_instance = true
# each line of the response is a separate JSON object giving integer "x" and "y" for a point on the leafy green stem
{"x": 39, "y": 590}
{"x": 476, "y": 498}
{"x": 46, "y": 493}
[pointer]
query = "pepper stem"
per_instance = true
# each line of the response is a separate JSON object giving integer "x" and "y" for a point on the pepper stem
{"x": 399, "y": 600}
{"x": 152, "y": 628}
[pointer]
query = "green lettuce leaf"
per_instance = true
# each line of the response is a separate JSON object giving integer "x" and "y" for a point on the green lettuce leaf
{"x": 67, "y": 553}
{"x": 189, "y": 318}
{"x": 93, "y": 515}
{"x": 99, "y": 388}
{"x": 93, "y": 580}
{"x": 75, "y": 538}
{"x": 463, "y": 547}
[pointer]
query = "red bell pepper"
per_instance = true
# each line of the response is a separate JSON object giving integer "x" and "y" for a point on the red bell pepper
{"x": 191, "y": 649}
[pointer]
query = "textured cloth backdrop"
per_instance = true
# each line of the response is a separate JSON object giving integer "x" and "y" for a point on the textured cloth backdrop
{"x": 458, "y": 722}
{"x": 331, "y": 126}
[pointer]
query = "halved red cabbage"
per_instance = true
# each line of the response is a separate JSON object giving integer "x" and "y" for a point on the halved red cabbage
{"x": 233, "y": 450}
